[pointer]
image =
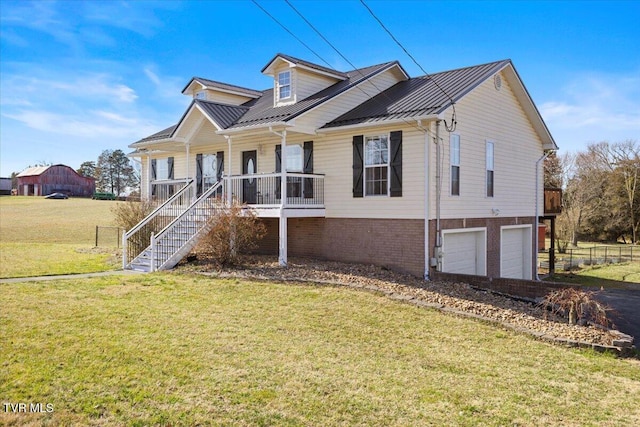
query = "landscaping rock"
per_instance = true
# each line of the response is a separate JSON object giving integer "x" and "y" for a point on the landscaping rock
{"x": 458, "y": 298}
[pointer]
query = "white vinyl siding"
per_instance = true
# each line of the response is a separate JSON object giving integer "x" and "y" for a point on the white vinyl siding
{"x": 487, "y": 114}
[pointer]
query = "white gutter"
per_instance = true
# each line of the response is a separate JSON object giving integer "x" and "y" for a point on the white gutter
{"x": 404, "y": 120}
{"x": 537, "y": 215}
{"x": 266, "y": 127}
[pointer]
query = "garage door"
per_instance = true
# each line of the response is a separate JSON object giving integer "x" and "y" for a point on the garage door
{"x": 515, "y": 252}
{"x": 464, "y": 251}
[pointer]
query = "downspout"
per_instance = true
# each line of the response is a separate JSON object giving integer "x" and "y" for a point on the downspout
{"x": 438, "y": 247}
{"x": 537, "y": 214}
{"x": 427, "y": 194}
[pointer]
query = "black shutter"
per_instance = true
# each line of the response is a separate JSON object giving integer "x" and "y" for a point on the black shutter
{"x": 153, "y": 176}
{"x": 396, "y": 164}
{"x": 358, "y": 165}
{"x": 153, "y": 170}
{"x": 198, "y": 174}
{"x": 172, "y": 186}
{"x": 308, "y": 168}
{"x": 278, "y": 189}
{"x": 219, "y": 169}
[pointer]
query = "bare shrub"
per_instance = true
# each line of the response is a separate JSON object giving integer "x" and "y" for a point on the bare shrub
{"x": 130, "y": 213}
{"x": 578, "y": 306}
{"x": 232, "y": 231}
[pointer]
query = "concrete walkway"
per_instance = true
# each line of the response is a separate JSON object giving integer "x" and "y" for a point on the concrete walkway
{"x": 71, "y": 276}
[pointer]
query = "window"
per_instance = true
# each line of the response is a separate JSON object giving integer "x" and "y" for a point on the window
{"x": 489, "y": 169}
{"x": 454, "y": 156}
{"x": 284, "y": 85}
{"x": 162, "y": 169}
{"x": 209, "y": 170}
{"x": 376, "y": 165}
{"x": 295, "y": 158}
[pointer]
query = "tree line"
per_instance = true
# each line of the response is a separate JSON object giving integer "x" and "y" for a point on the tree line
{"x": 601, "y": 198}
{"x": 113, "y": 172}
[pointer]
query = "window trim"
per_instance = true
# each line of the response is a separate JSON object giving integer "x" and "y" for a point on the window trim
{"x": 365, "y": 166}
{"x": 490, "y": 187}
{"x": 454, "y": 138}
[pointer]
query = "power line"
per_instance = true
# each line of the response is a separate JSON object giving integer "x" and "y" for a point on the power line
{"x": 290, "y": 32}
{"x": 453, "y": 118}
{"x": 355, "y": 69}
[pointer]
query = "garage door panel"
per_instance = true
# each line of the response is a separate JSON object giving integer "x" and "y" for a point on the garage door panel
{"x": 464, "y": 252}
{"x": 515, "y": 253}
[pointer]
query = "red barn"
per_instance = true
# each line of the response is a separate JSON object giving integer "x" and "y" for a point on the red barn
{"x": 44, "y": 180}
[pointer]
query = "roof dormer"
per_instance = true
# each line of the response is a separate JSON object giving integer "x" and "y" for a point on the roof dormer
{"x": 295, "y": 79}
{"x": 209, "y": 90}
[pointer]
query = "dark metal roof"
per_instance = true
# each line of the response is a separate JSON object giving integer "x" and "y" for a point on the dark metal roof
{"x": 262, "y": 111}
{"x": 222, "y": 114}
{"x": 307, "y": 64}
{"x": 165, "y": 133}
{"x": 419, "y": 96}
{"x": 252, "y": 93}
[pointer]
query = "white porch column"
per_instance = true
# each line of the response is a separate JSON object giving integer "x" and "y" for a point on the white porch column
{"x": 187, "y": 145}
{"x": 282, "y": 258}
{"x": 227, "y": 166}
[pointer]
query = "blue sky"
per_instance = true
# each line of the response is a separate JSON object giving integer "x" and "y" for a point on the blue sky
{"x": 78, "y": 77}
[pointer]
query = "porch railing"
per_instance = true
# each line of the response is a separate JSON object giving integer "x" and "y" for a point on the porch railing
{"x": 303, "y": 190}
{"x": 163, "y": 189}
{"x": 179, "y": 233}
{"x": 136, "y": 240}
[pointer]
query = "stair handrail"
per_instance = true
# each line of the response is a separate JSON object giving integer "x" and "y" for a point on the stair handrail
{"x": 189, "y": 185}
{"x": 157, "y": 210}
{"x": 199, "y": 201}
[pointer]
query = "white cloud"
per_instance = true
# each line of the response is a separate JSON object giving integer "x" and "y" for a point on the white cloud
{"x": 92, "y": 125}
{"x": 594, "y": 107}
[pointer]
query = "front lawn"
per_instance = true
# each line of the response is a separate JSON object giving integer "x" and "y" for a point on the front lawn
{"x": 39, "y": 236}
{"x": 169, "y": 349}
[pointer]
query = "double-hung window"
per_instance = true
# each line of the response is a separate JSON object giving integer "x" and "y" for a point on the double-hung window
{"x": 489, "y": 162}
{"x": 454, "y": 160}
{"x": 295, "y": 163}
{"x": 284, "y": 85}
{"x": 162, "y": 169}
{"x": 376, "y": 165}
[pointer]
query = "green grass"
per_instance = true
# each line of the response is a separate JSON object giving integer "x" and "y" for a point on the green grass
{"x": 42, "y": 237}
{"x": 169, "y": 349}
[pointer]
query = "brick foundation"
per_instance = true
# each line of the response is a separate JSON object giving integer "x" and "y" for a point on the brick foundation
{"x": 397, "y": 244}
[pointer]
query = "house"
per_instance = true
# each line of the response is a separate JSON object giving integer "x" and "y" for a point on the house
{"x": 368, "y": 166}
{"x": 44, "y": 180}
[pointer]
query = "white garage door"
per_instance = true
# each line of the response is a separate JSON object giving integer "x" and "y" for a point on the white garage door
{"x": 464, "y": 251}
{"x": 515, "y": 252}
